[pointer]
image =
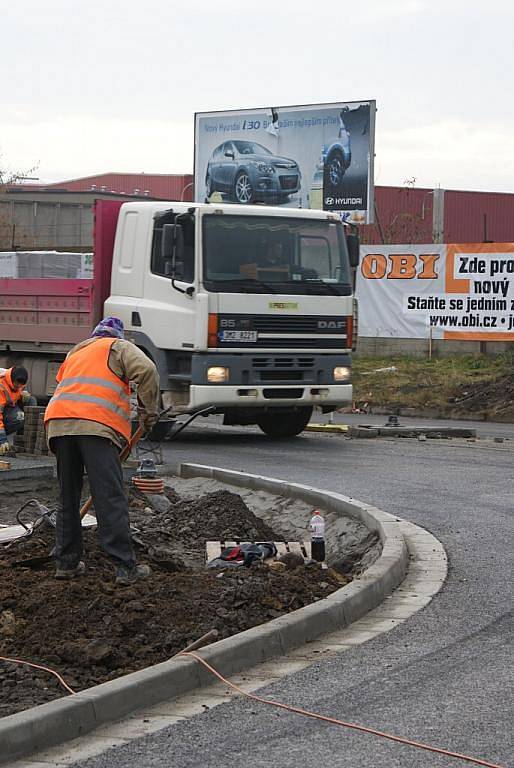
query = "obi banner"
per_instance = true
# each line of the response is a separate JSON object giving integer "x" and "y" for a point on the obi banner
{"x": 316, "y": 156}
{"x": 463, "y": 292}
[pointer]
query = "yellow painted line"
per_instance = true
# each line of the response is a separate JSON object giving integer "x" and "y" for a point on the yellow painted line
{"x": 327, "y": 428}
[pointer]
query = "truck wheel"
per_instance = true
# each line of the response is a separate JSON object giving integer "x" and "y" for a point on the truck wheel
{"x": 285, "y": 424}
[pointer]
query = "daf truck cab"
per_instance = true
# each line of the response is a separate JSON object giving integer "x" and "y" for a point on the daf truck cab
{"x": 245, "y": 309}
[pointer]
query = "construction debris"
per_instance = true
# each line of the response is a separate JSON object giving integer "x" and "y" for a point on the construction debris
{"x": 91, "y": 631}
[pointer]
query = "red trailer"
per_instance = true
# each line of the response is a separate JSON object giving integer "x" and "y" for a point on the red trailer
{"x": 50, "y": 315}
{"x": 59, "y": 312}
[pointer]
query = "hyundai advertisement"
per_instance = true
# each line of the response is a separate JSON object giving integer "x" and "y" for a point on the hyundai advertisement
{"x": 316, "y": 156}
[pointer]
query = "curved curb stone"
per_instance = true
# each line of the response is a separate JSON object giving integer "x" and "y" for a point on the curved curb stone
{"x": 67, "y": 718}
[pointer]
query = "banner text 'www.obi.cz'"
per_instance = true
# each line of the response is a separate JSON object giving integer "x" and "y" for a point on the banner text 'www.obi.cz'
{"x": 447, "y": 291}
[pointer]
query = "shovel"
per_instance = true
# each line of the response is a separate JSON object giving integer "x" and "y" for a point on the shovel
{"x": 35, "y": 562}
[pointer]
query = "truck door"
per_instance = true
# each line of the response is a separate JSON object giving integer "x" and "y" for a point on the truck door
{"x": 171, "y": 314}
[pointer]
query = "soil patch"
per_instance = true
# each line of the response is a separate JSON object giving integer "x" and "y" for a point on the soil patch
{"x": 470, "y": 385}
{"x": 495, "y": 398}
{"x": 90, "y": 631}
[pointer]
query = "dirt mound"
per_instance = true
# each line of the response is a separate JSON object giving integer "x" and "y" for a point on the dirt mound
{"x": 492, "y": 398}
{"x": 90, "y": 631}
{"x": 181, "y": 532}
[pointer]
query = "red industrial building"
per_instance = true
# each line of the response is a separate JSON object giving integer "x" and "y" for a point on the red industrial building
{"x": 163, "y": 186}
{"x": 418, "y": 215}
{"x": 402, "y": 214}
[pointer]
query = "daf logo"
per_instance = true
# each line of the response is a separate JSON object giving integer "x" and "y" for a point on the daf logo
{"x": 331, "y": 324}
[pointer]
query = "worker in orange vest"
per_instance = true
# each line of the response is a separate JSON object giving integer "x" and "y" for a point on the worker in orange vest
{"x": 88, "y": 422}
{"x": 13, "y": 398}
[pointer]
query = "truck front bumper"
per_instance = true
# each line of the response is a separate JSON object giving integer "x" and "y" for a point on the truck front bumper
{"x": 259, "y": 396}
{"x": 268, "y": 380}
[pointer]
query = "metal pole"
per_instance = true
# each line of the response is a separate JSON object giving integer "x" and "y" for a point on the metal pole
{"x": 438, "y": 216}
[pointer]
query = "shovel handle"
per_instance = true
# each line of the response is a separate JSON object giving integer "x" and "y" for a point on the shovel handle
{"x": 125, "y": 453}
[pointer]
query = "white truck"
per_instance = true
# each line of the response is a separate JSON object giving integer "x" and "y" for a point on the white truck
{"x": 247, "y": 310}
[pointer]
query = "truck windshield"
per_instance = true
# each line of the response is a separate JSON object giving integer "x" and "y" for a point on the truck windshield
{"x": 268, "y": 254}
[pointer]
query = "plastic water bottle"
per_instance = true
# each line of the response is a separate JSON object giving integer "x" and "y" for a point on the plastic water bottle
{"x": 317, "y": 529}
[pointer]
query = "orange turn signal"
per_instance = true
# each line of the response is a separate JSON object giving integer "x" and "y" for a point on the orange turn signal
{"x": 212, "y": 339}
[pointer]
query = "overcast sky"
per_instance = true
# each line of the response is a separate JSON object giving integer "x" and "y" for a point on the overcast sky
{"x": 97, "y": 86}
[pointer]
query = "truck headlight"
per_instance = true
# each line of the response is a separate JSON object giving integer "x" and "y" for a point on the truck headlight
{"x": 342, "y": 373}
{"x": 217, "y": 374}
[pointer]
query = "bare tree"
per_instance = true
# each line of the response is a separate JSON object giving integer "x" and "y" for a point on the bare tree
{"x": 8, "y": 178}
{"x": 405, "y": 223}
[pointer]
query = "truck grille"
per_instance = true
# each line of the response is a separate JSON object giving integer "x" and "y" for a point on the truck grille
{"x": 289, "y": 332}
{"x": 281, "y": 369}
{"x": 280, "y": 394}
{"x": 282, "y": 362}
{"x": 298, "y": 343}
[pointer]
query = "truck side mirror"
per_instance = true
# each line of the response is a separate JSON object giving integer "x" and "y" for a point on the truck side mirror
{"x": 172, "y": 249}
{"x": 353, "y": 243}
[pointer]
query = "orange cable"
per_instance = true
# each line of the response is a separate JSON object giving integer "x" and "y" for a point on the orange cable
{"x": 287, "y": 707}
{"x": 39, "y": 666}
{"x": 334, "y": 721}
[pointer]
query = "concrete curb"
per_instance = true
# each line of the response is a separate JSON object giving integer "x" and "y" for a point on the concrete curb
{"x": 436, "y": 413}
{"x": 22, "y": 473}
{"x": 58, "y": 721}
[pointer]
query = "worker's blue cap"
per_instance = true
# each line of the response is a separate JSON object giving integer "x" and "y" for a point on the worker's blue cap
{"x": 110, "y": 326}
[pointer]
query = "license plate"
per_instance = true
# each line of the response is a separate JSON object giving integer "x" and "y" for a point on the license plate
{"x": 238, "y": 335}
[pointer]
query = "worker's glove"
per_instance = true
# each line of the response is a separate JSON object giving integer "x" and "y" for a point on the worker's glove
{"x": 148, "y": 421}
{"x": 5, "y": 448}
{"x": 27, "y": 399}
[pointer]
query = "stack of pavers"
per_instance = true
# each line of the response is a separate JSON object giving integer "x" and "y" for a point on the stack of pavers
{"x": 41, "y": 446}
{"x": 34, "y": 430}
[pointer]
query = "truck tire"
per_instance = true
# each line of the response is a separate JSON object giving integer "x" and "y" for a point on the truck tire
{"x": 285, "y": 424}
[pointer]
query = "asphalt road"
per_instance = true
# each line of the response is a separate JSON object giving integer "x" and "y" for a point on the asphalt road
{"x": 443, "y": 677}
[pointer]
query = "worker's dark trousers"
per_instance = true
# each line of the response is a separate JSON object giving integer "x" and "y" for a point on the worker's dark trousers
{"x": 101, "y": 460}
{"x": 14, "y": 416}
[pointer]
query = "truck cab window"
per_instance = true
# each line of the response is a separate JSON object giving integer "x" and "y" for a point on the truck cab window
{"x": 186, "y": 268}
{"x": 275, "y": 254}
{"x": 315, "y": 254}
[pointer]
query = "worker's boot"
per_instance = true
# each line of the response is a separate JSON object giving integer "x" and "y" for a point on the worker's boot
{"x": 127, "y": 576}
{"x": 70, "y": 573}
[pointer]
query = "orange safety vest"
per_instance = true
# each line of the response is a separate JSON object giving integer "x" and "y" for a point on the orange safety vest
{"x": 89, "y": 390}
{"x": 8, "y": 394}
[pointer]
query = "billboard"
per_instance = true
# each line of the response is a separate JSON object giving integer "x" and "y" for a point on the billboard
{"x": 462, "y": 292}
{"x": 315, "y": 156}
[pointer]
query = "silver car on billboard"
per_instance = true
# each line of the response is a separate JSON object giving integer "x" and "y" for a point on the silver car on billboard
{"x": 247, "y": 172}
